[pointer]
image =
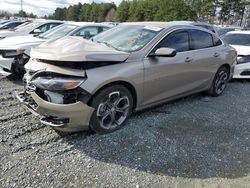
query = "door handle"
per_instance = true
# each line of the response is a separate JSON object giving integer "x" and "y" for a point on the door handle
{"x": 188, "y": 59}
{"x": 216, "y": 54}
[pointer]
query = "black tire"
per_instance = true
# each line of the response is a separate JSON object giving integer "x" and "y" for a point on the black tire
{"x": 113, "y": 105}
{"x": 220, "y": 81}
{"x": 18, "y": 70}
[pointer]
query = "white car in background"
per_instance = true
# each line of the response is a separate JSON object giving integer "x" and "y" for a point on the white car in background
{"x": 240, "y": 40}
{"x": 15, "y": 51}
{"x": 34, "y": 28}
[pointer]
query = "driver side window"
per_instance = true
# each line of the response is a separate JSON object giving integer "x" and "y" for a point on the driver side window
{"x": 177, "y": 40}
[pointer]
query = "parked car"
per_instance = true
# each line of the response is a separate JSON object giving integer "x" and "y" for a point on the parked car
{"x": 75, "y": 83}
{"x": 3, "y": 22}
{"x": 21, "y": 25}
{"x": 15, "y": 51}
{"x": 11, "y": 25}
{"x": 35, "y": 28}
{"x": 223, "y": 30}
{"x": 240, "y": 40}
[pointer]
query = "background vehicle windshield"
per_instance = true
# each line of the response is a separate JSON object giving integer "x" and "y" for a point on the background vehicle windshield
{"x": 58, "y": 31}
{"x": 225, "y": 30}
{"x": 237, "y": 39}
{"x": 28, "y": 27}
{"x": 127, "y": 38}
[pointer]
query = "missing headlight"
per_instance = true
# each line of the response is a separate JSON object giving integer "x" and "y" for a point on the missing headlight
{"x": 54, "y": 97}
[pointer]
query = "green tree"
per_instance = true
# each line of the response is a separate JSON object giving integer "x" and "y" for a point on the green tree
{"x": 60, "y": 14}
{"x": 169, "y": 10}
{"x": 73, "y": 12}
{"x": 122, "y": 13}
{"x": 85, "y": 12}
{"x": 136, "y": 12}
{"x": 94, "y": 12}
{"x": 150, "y": 8}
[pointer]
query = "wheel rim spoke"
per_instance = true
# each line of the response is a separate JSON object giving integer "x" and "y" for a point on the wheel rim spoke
{"x": 220, "y": 83}
{"x": 113, "y": 111}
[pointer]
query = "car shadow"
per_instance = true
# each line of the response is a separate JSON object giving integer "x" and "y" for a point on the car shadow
{"x": 168, "y": 141}
{"x": 15, "y": 79}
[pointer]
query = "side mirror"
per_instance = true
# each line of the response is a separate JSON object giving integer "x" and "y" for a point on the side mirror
{"x": 37, "y": 31}
{"x": 164, "y": 52}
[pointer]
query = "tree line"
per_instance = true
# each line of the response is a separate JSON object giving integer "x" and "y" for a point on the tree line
{"x": 167, "y": 10}
{"x": 154, "y": 10}
{"x": 18, "y": 14}
{"x": 97, "y": 12}
{"x": 226, "y": 11}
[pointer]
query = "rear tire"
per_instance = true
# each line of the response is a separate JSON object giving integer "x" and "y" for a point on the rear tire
{"x": 113, "y": 105}
{"x": 220, "y": 81}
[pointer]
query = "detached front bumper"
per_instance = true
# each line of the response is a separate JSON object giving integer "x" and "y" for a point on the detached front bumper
{"x": 242, "y": 71}
{"x": 63, "y": 117}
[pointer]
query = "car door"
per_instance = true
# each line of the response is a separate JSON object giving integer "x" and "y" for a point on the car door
{"x": 207, "y": 54}
{"x": 167, "y": 77}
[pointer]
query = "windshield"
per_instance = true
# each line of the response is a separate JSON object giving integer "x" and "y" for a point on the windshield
{"x": 127, "y": 38}
{"x": 23, "y": 24}
{"x": 58, "y": 31}
{"x": 225, "y": 30}
{"x": 28, "y": 27}
{"x": 237, "y": 39}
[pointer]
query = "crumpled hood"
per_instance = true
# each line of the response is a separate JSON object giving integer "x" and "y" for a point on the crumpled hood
{"x": 242, "y": 50}
{"x": 76, "y": 49}
{"x": 20, "y": 42}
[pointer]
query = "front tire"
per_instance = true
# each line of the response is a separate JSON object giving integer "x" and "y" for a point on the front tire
{"x": 113, "y": 105}
{"x": 220, "y": 81}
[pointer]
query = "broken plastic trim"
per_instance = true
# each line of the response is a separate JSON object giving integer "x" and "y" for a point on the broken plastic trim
{"x": 79, "y": 65}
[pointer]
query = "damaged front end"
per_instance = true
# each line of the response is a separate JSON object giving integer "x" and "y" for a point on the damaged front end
{"x": 58, "y": 98}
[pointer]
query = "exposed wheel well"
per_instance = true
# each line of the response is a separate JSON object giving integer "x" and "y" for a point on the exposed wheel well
{"x": 227, "y": 66}
{"x": 129, "y": 86}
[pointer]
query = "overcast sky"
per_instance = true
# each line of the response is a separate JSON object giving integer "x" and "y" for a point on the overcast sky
{"x": 42, "y": 7}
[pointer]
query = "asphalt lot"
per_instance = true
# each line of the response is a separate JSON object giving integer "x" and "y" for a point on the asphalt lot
{"x": 196, "y": 141}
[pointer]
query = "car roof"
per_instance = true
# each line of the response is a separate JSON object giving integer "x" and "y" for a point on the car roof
{"x": 10, "y": 22}
{"x": 88, "y": 23}
{"x": 151, "y": 24}
{"x": 239, "y": 32}
{"x": 167, "y": 24}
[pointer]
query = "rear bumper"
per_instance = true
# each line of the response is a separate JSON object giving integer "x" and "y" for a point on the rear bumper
{"x": 242, "y": 71}
{"x": 63, "y": 117}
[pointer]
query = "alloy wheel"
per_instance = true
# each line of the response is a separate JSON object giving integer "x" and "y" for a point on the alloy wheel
{"x": 220, "y": 83}
{"x": 113, "y": 110}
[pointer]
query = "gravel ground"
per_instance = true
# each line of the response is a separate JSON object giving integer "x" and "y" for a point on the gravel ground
{"x": 193, "y": 142}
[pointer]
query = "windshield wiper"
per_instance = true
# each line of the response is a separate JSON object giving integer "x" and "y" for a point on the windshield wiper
{"x": 107, "y": 44}
{"x": 40, "y": 37}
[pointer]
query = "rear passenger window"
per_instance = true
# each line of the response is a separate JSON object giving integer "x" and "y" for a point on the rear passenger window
{"x": 200, "y": 40}
{"x": 178, "y": 41}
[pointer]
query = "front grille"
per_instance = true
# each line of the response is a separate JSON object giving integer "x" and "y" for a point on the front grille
{"x": 78, "y": 65}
